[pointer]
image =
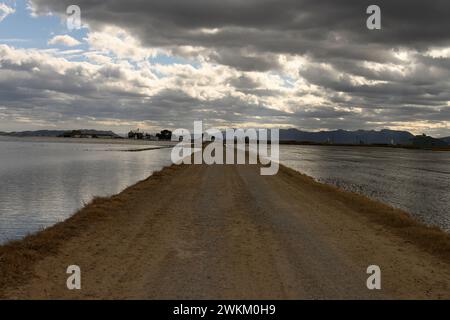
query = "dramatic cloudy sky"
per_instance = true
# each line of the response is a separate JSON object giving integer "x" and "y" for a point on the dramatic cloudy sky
{"x": 310, "y": 64}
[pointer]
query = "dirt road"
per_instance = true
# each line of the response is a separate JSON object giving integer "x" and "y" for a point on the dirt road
{"x": 213, "y": 232}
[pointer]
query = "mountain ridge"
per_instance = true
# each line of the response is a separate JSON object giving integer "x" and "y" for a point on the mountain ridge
{"x": 55, "y": 133}
{"x": 339, "y": 136}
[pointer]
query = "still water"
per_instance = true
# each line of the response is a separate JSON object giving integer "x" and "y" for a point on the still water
{"x": 42, "y": 183}
{"x": 417, "y": 181}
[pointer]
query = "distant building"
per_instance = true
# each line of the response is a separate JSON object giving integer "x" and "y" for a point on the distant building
{"x": 89, "y": 134}
{"x": 150, "y": 137}
{"x": 136, "y": 135}
{"x": 139, "y": 135}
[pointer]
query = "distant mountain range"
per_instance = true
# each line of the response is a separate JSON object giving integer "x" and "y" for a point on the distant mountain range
{"x": 348, "y": 137}
{"x": 446, "y": 140}
{"x": 60, "y": 133}
{"x": 428, "y": 142}
{"x": 39, "y": 133}
{"x": 384, "y": 137}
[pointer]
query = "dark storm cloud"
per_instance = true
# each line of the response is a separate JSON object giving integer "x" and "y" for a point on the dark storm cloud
{"x": 291, "y": 26}
{"x": 244, "y": 61}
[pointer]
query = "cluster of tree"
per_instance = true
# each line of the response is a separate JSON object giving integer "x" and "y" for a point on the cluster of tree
{"x": 139, "y": 135}
{"x": 164, "y": 135}
{"x": 136, "y": 135}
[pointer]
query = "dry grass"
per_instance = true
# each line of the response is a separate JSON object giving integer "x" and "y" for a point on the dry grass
{"x": 18, "y": 258}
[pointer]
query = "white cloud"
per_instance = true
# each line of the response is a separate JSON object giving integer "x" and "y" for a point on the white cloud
{"x": 57, "y": 89}
{"x": 439, "y": 52}
{"x": 97, "y": 58}
{"x": 64, "y": 40}
{"x": 116, "y": 41}
{"x": 5, "y": 11}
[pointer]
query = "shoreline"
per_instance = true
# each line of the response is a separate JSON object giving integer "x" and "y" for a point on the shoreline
{"x": 406, "y": 147}
{"x": 130, "y": 142}
{"x": 20, "y": 259}
{"x": 125, "y": 141}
